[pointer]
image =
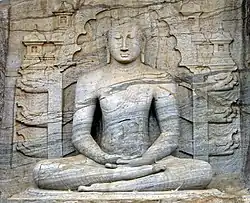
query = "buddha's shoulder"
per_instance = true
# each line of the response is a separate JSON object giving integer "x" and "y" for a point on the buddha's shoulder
{"x": 91, "y": 77}
{"x": 158, "y": 73}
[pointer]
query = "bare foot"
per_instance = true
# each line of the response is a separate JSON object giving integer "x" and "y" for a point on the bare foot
{"x": 111, "y": 166}
{"x": 83, "y": 189}
{"x": 159, "y": 168}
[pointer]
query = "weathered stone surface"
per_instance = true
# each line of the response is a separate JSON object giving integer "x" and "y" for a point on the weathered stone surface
{"x": 200, "y": 43}
{"x": 4, "y": 30}
{"x": 5, "y": 144}
{"x": 3, "y": 48}
{"x": 84, "y": 50}
{"x": 245, "y": 96}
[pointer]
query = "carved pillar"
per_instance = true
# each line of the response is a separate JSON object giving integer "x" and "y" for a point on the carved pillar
{"x": 55, "y": 148}
{"x": 200, "y": 122}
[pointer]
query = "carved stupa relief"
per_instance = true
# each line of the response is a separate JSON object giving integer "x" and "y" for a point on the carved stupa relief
{"x": 63, "y": 19}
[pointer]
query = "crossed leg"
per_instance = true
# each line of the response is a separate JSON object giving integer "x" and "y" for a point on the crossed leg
{"x": 179, "y": 173}
{"x": 70, "y": 173}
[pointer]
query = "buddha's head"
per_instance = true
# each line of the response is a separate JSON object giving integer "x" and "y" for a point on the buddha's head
{"x": 126, "y": 43}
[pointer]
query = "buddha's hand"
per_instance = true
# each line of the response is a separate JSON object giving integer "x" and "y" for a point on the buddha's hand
{"x": 112, "y": 158}
{"x": 137, "y": 161}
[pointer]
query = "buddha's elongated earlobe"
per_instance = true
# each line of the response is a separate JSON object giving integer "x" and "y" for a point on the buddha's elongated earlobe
{"x": 142, "y": 57}
{"x": 108, "y": 55}
{"x": 143, "y": 50}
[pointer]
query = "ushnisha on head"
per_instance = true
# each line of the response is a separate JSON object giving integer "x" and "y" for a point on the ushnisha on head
{"x": 126, "y": 43}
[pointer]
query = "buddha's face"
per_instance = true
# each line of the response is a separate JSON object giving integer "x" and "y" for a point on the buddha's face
{"x": 125, "y": 43}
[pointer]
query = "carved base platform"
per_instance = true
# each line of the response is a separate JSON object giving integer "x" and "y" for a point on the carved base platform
{"x": 189, "y": 196}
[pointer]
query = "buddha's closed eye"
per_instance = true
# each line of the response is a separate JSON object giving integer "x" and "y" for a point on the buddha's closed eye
{"x": 130, "y": 36}
{"x": 118, "y": 37}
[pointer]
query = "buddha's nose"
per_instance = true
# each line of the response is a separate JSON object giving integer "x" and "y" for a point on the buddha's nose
{"x": 124, "y": 45}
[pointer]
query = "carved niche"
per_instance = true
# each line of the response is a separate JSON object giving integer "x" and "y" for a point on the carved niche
{"x": 201, "y": 63}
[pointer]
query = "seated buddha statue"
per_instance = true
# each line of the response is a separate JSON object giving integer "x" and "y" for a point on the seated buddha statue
{"x": 124, "y": 157}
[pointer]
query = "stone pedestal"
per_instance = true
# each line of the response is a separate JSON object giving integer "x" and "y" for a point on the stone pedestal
{"x": 189, "y": 196}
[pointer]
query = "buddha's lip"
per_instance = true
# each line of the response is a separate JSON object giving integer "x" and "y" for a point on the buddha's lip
{"x": 124, "y": 55}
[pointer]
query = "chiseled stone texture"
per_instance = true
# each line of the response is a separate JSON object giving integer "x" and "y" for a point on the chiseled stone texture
{"x": 189, "y": 196}
{"x": 4, "y": 25}
{"x": 4, "y": 144}
{"x": 3, "y": 51}
{"x": 245, "y": 96}
{"x": 52, "y": 43}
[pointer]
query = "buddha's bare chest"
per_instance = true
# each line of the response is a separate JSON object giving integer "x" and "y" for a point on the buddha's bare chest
{"x": 125, "y": 98}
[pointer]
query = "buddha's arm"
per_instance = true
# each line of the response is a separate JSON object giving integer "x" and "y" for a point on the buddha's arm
{"x": 168, "y": 119}
{"x": 85, "y": 104}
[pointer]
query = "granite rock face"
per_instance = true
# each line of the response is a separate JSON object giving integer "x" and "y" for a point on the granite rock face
{"x": 52, "y": 43}
{"x": 4, "y": 141}
{"x": 245, "y": 96}
{"x": 4, "y": 24}
{"x": 3, "y": 48}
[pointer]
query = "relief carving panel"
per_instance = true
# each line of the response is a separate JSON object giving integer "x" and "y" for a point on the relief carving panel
{"x": 200, "y": 60}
